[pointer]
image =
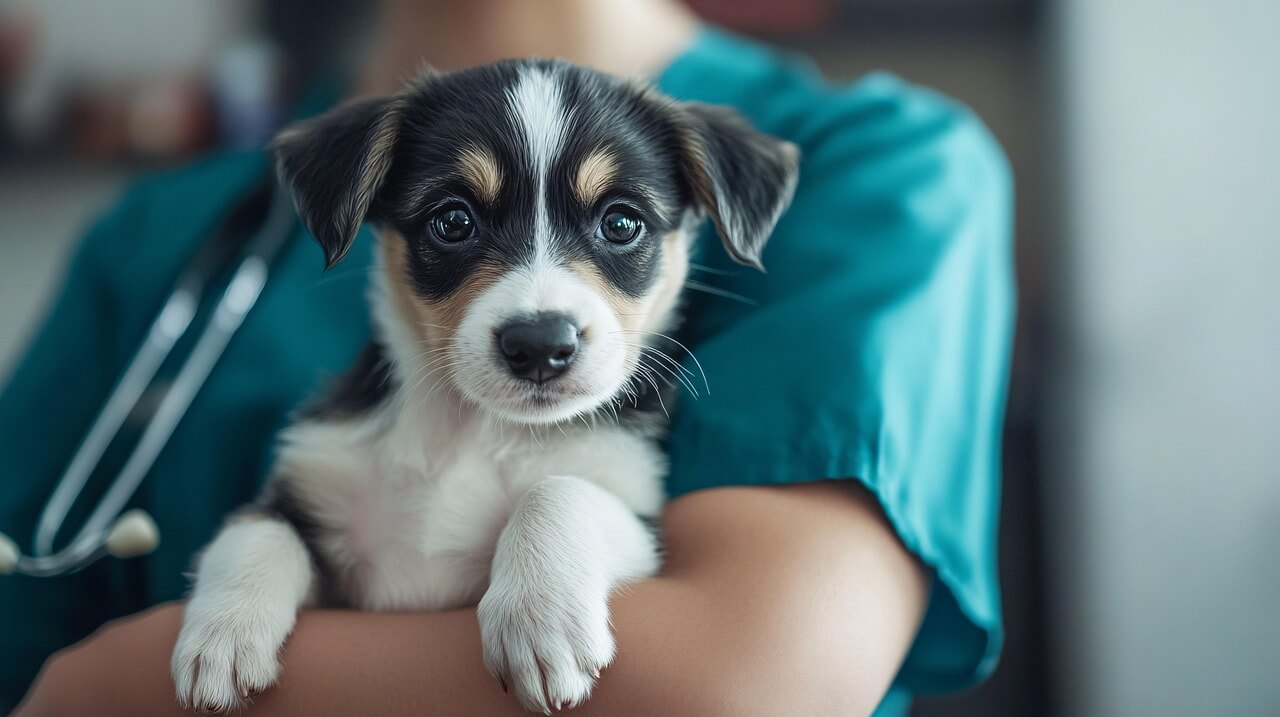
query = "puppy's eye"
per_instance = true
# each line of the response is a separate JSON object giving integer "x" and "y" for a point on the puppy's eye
{"x": 452, "y": 224}
{"x": 620, "y": 227}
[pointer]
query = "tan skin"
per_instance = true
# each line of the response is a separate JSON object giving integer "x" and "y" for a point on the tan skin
{"x": 792, "y": 600}
{"x": 779, "y": 600}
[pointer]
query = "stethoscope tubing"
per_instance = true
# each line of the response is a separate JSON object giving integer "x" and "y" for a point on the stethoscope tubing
{"x": 171, "y": 324}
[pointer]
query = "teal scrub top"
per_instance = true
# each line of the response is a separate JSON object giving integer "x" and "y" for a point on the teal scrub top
{"x": 874, "y": 350}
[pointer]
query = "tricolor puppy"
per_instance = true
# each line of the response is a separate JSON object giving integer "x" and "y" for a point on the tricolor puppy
{"x": 495, "y": 443}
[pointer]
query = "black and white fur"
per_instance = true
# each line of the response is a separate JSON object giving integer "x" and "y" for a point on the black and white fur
{"x": 432, "y": 477}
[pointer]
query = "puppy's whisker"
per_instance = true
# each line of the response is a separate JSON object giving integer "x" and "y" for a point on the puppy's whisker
{"x": 410, "y": 398}
{"x": 658, "y": 391}
{"x": 433, "y": 342}
{"x": 431, "y": 392}
{"x": 666, "y": 371}
{"x": 722, "y": 293}
{"x": 427, "y": 365}
{"x": 433, "y": 352}
{"x": 696, "y": 362}
{"x": 666, "y": 360}
{"x": 440, "y": 365}
{"x": 426, "y": 369}
{"x": 437, "y": 365}
{"x": 706, "y": 269}
{"x": 631, "y": 392}
{"x": 662, "y": 372}
{"x": 655, "y": 352}
{"x": 664, "y": 365}
{"x": 533, "y": 431}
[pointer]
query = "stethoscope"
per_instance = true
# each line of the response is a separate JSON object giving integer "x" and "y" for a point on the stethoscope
{"x": 108, "y": 530}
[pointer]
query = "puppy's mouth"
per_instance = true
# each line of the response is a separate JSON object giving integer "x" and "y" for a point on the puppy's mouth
{"x": 525, "y": 401}
{"x": 550, "y": 396}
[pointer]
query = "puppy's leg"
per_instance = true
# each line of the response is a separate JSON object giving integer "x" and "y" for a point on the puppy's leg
{"x": 544, "y": 621}
{"x": 250, "y": 583}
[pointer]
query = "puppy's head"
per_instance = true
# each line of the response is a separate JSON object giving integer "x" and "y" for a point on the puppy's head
{"x": 534, "y": 219}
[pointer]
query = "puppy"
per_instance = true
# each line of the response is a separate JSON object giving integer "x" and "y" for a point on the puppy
{"x": 496, "y": 442}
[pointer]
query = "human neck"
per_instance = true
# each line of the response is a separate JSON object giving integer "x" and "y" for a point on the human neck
{"x": 623, "y": 37}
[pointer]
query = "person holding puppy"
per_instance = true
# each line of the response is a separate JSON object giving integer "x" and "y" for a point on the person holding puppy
{"x": 829, "y": 540}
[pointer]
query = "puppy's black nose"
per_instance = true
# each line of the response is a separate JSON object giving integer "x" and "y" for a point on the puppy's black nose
{"x": 541, "y": 349}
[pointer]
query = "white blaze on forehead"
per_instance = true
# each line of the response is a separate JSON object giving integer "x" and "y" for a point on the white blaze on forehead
{"x": 537, "y": 106}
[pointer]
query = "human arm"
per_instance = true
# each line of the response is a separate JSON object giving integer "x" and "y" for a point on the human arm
{"x": 772, "y": 600}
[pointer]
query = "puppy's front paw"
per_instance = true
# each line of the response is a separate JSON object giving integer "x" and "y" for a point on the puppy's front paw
{"x": 226, "y": 653}
{"x": 548, "y": 642}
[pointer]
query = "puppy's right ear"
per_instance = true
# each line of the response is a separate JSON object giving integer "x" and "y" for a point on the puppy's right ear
{"x": 334, "y": 165}
{"x": 743, "y": 178}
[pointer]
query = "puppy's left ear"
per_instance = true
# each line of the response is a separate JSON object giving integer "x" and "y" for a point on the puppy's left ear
{"x": 743, "y": 178}
{"x": 334, "y": 165}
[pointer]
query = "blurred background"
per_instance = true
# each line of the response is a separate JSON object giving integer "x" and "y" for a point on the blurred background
{"x": 1142, "y": 489}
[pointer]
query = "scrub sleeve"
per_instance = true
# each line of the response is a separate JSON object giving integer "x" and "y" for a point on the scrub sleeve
{"x": 876, "y": 347}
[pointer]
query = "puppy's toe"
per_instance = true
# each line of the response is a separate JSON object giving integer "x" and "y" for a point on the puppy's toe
{"x": 567, "y": 684}
{"x": 526, "y": 676}
{"x": 550, "y": 652}
{"x": 218, "y": 664}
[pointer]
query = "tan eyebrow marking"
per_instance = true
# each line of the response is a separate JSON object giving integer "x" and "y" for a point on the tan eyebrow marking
{"x": 481, "y": 171}
{"x": 594, "y": 175}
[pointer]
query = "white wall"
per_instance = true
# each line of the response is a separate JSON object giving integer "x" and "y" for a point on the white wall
{"x": 113, "y": 41}
{"x": 1164, "y": 490}
{"x": 108, "y": 39}
{"x": 45, "y": 207}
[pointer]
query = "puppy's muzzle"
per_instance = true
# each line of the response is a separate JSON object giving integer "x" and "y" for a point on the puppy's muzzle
{"x": 539, "y": 349}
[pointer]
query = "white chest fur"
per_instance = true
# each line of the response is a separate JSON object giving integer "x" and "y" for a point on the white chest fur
{"x": 411, "y": 501}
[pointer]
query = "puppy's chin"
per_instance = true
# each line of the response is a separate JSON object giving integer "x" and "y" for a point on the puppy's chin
{"x": 538, "y": 405}
{"x": 542, "y": 407}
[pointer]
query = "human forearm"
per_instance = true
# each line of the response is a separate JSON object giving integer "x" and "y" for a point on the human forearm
{"x": 344, "y": 662}
{"x": 772, "y": 601}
